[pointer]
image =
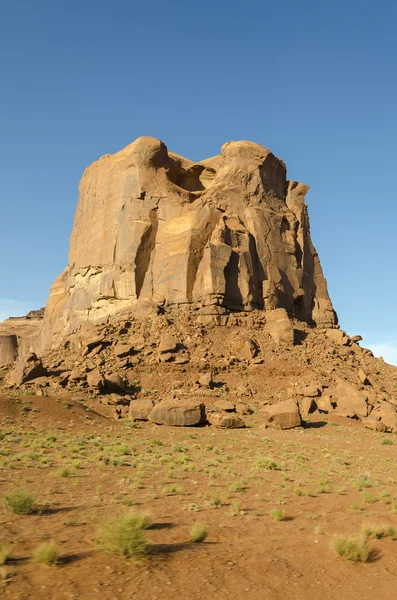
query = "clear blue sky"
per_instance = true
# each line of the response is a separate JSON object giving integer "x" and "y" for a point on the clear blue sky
{"x": 316, "y": 82}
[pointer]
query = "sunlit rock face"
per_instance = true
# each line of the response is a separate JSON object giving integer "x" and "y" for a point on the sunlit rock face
{"x": 227, "y": 234}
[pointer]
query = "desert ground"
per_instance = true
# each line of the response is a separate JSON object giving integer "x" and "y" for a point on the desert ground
{"x": 273, "y": 502}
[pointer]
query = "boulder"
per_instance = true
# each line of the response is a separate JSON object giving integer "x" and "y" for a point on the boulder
{"x": 283, "y": 415}
{"x": 324, "y": 404}
{"x": 280, "y": 327}
{"x": 373, "y": 422}
{"x": 243, "y": 409}
{"x": 356, "y": 338}
{"x": 387, "y": 413}
{"x": 113, "y": 381}
{"x": 205, "y": 380}
{"x": 225, "y": 405}
{"x": 363, "y": 377}
{"x": 122, "y": 350}
{"x": 307, "y": 405}
{"x": 311, "y": 390}
{"x": 95, "y": 379}
{"x": 26, "y": 369}
{"x": 167, "y": 344}
{"x": 140, "y": 409}
{"x": 76, "y": 374}
{"x": 349, "y": 401}
{"x": 178, "y": 414}
{"x": 244, "y": 347}
{"x": 338, "y": 336}
{"x": 225, "y": 420}
{"x": 93, "y": 344}
{"x": 137, "y": 342}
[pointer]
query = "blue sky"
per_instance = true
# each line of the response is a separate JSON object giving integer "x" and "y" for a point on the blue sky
{"x": 316, "y": 82}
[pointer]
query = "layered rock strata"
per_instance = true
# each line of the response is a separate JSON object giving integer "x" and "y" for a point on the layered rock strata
{"x": 227, "y": 234}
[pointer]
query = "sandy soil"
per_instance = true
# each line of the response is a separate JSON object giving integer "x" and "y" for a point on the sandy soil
{"x": 330, "y": 478}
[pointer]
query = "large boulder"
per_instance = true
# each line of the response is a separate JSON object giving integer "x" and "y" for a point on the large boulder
{"x": 224, "y": 420}
{"x": 26, "y": 369}
{"x": 178, "y": 414}
{"x": 387, "y": 413}
{"x": 338, "y": 336}
{"x": 373, "y": 422}
{"x": 280, "y": 327}
{"x": 283, "y": 415}
{"x": 140, "y": 409}
{"x": 95, "y": 379}
{"x": 114, "y": 382}
{"x": 350, "y": 401}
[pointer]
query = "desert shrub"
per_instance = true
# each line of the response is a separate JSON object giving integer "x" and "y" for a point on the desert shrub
{"x": 236, "y": 487}
{"x": 46, "y": 554}
{"x": 277, "y": 514}
{"x": 125, "y": 535}
{"x": 198, "y": 532}
{"x": 172, "y": 489}
{"x": 64, "y": 472}
{"x": 265, "y": 463}
{"x": 5, "y": 552}
{"x": 20, "y": 502}
{"x": 386, "y": 442}
{"x": 363, "y": 481}
{"x": 354, "y": 549}
{"x": 377, "y": 531}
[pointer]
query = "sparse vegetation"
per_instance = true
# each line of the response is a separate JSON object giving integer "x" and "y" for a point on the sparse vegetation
{"x": 125, "y": 535}
{"x": 386, "y": 442}
{"x": 354, "y": 549}
{"x": 378, "y": 531}
{"x": 265, "y": 463}
{"x": 198, "y": 532}
{"x": 46, "y": 554}
{"x": 277, "y": 514}
{"x": 20, "y": 502}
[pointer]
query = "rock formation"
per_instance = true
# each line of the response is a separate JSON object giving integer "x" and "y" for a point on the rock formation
{"x": 20, "y": 335}
{"x": 154, "y": 229}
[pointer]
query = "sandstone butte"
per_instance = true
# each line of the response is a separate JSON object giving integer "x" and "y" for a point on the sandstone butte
{"x": 201, "y": 275}
{"x": 230, "y": 233}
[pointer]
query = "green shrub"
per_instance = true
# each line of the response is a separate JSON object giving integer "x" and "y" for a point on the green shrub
{"x": 378, "y": 531}
{"x": 354, "y": 549}
{"x": 46, "y": 554}
{"x": 125, "y": 535}
{"x": 277, "y": 514}
{"x": 64, "y": 472}
{"x": 20, "y": 502}
{"x": 198, "y": 533}
{"x": 236, "y": 487}
{"x": 265, "y": 463}
{"x": 386, "y": 442}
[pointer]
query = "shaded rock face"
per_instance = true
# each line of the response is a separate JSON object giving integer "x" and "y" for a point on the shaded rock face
{"x": 153, "y": 228}
{"x": 8, "y": 349}
{"x": 20, "y": 336}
